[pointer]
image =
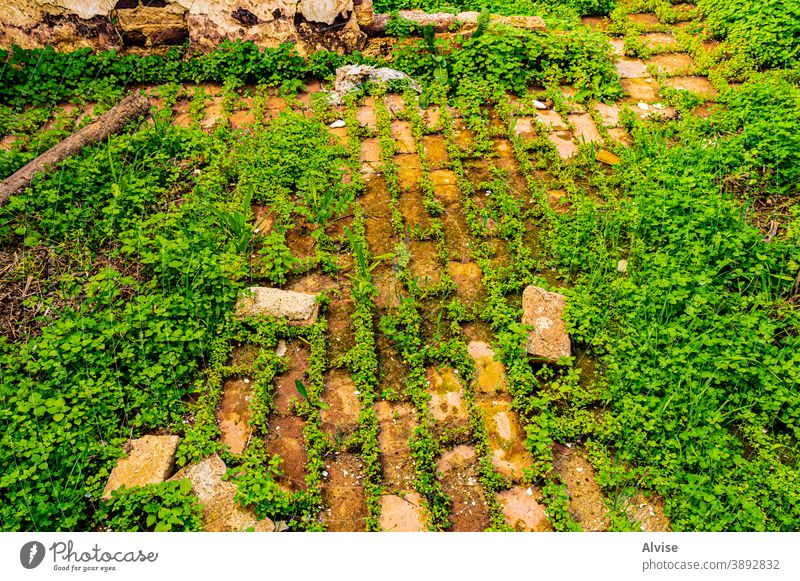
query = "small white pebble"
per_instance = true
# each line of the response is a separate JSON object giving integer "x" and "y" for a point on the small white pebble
{"x": 644, "y": 106}
{"x": 529, "y": 492}
{"x": 337, "y": 124}
{"x": 539, "y": 105}
{"x": 325, "y": 473}
{"x": 246, "y": 380}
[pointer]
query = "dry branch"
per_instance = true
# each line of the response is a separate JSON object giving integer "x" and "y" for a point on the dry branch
{"x": 131, "y": 107}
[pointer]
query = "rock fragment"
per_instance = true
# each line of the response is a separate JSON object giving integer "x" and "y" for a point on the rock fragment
{"x": 365, "y": 12}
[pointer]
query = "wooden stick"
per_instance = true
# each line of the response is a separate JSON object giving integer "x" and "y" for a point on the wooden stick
{"x": 131, "y": 107}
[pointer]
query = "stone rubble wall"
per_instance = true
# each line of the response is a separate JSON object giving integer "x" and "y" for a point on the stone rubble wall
{"x": 105, "y": 24}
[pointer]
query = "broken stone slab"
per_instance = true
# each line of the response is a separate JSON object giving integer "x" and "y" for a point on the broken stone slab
{"x": 587, "y": 505}
{"x": 446, "y": 21}
{"x": 544, "y": 311}
{"x": 325, "y": 11}
{"x": 350, "y": 77}
{"x": 609, "y": 114}
{"x": 299, "y": 308}
{"x": 446, "y": 402}
{"x": 343, "y": 499}
{"x": 221, "y": 513}
{"x": 440, "y": 21}
{"x": 467, "y": 276}
{"x": 490, "y": 374}
{"x": 585, "y": 129}
{"x": 634, "y": 69}
{"x": 402, "y": 513}
{"x": 648, "y": 512}
{"x": 106, "y": 24}
{"x": 551, "y": 119}
{"x": 564, "y": 144}
{"x": 700, "y": 86}
{"x": 365, "y": 12}
{"x": 521, "y": 510}
{"x": 457, "y": 458}
{"x": 606, "y": 157}
{"x": 150, "y": 460}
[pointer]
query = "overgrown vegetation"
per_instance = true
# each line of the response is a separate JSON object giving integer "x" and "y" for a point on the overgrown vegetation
{"x": 511, "y": 7}
{"x": 681, "y": 268}
{"x": 699, "y": 334}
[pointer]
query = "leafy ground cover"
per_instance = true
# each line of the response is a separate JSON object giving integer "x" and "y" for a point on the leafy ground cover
{"x": 524, "y": 7}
